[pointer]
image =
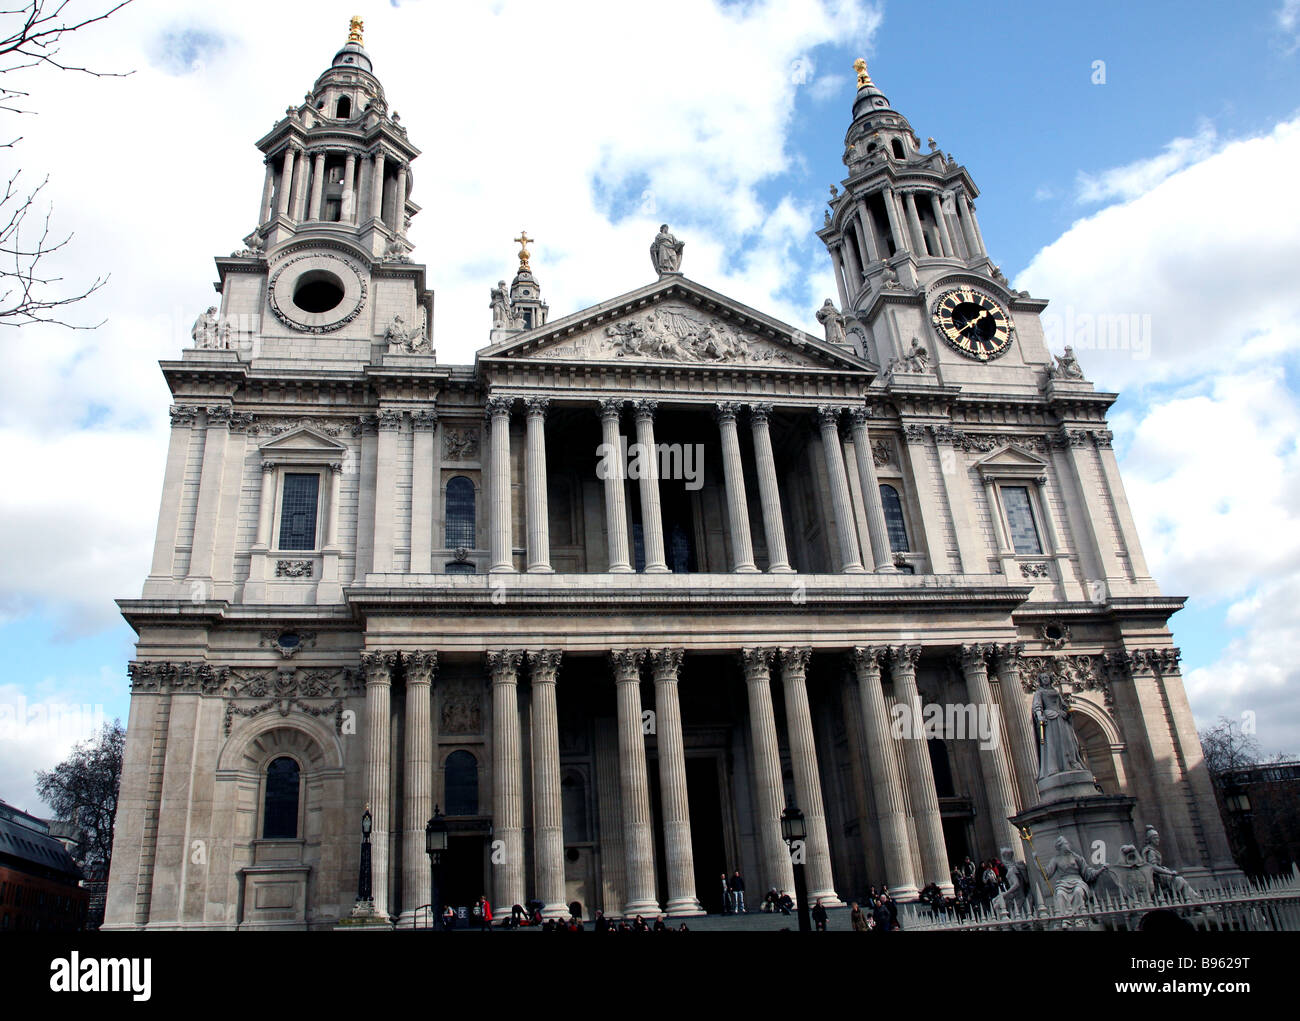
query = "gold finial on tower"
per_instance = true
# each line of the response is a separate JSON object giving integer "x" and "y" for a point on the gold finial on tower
{"x": 864, "y": 79}
{"x": 524, "y": 241}
{"x": 355, "y": 27}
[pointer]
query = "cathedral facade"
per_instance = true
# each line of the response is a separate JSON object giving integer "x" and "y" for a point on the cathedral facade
{"x": 616, "y": 595}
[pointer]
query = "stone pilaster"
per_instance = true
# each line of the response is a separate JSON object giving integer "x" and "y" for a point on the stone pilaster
{"x": 378, "y": 667}
{"x": 507, "y": 778}
{"x": 886, "y": 780}
{"x": 638, "y": 841}
{"x": 418, "y": 786}
{"x": 548, "y": 809}
{"x": 680, "y": 859}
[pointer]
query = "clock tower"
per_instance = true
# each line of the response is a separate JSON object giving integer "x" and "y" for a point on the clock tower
{"x": 920, "y": 294}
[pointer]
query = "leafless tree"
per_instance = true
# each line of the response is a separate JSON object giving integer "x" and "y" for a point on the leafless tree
{"x": 82, "y": 790}
{"x": 1227, "y": 746}
{"x": 30, "y": 39}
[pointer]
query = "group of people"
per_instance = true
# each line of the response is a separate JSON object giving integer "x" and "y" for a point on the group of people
{"x": 733, "y": 894}
{"x": 974, "y": 886}
{"x": 880, "y": 914}
{"x": 637, "y": 924}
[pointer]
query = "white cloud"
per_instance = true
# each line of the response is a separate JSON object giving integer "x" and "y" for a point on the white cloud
{"x": 1137, "y": 178}
{"x": 587, "y": 123}
{"x": 1288, "y": 22}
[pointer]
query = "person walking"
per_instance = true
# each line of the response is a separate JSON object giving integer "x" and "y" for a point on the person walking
{"x": 819, "y": 916}
{"x": 738, "y": 892}
{"x": 726, "y": 895}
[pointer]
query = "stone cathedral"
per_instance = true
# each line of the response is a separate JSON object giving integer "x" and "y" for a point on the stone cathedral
{"x": 615, "y": 595}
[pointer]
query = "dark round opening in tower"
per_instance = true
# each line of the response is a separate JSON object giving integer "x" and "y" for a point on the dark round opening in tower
{"x": 318, "y": 291}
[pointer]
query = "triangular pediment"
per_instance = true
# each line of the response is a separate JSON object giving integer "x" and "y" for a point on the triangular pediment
{"x": 302, "y": 438}
{"x": 676, "y": 321}
{"x": 1012, "y": 456}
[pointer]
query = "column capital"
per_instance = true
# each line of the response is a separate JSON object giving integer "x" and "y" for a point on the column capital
{"x": 1010, "y": 656}
{"x": 760, "y": 411}
{"x": 946, "y": 434}
{"x": 904, "y": 657}
{"x": 537, "y": 407}
{"x": 666, "y": 663}
{"x": 544, "y": 665}
{"x": 861, "y": 415}
{"x": 378, "y": 666}
{"x": 610, "y": 407}
{"x": 503, "y": 665}
{"x": 645, "y": 410}
{"x": 627, "y": 663}
{"x": 219, "y": 414}
{"x": 420, "y": 666}
{"x": 424, "y": 418}
{"x": 389, "y": 419}
{"x": 756, "y": 662}
{"x": 269, "y": 466}
{"x": 913, "y": 432}
{"x": 726, "y": 411}
{"x": 974, "y": 656}
{"x": 794, "y": 661}
{"x": 182, "y": 415}
{"x": 866, "y": 659}
{"x": 828, "y": 415}
{"x": 498, "y": 405}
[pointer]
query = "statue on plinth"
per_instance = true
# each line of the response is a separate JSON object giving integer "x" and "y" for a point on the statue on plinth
{"x": 206, "y": 330}
{"x": 666, "y": 251}
{"x": 500, "y": 306}
{"x": 1066, "y": 366}
{"x": 1058, "y": 747}
{"x": 1167, "y": 880}
{"x": 833, "y": 323}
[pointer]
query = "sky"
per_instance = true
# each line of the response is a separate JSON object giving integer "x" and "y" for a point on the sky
{"x": 1133, "y": 160}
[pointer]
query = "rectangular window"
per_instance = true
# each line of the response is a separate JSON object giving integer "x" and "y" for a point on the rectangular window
{"x": 1020, "y": 521}
{"x": 298, "y": 511}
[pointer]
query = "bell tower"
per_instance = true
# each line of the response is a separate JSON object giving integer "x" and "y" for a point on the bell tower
{"x": 327, "y": 273}
{"x": 915, "y": 280}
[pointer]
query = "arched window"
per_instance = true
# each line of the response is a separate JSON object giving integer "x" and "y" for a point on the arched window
{"x": 898, "y": 149}
{"x": 344, "y": 109}
{"x": 459, "y": 529}
{"x": 894, "y": 523}
{"x": 280, "y": 813}
{"x": 461, "y": 772}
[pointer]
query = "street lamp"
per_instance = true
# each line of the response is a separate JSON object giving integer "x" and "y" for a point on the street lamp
{"x": 435, "y": 842}
{"x": 794, "y": 828}
{"x": 364, "y": 893}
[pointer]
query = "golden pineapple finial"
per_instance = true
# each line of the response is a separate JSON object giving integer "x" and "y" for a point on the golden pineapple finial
{"x": 864, "y": 79}
{"x": 355, "y": 28}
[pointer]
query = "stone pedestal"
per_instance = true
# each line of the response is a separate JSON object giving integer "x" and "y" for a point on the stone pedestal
{"x": 1082, "y": 821}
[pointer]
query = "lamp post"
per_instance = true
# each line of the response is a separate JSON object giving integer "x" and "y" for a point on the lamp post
{"x": 364, "y": 893}
{"x": 794, "y": 830}
{"x": 435, "y": 842}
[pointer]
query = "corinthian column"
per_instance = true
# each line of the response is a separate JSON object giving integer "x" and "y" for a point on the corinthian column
{"x": 378, "y": 667}
{"x": 778, "y": 560}
{"x": 921, "y": 795}
{"x": 665, "y": 664}
{"x": 652, "y": 524}
{"x": 539, "y": 536}
{"x": 881, "y": 554}
{"x": 841, "y": 501}
{"x": 498, "y": 410}
{"x": 418, "y": 787}
{"x": 638, "y": 841}
{"x": 317, "y": 186}
{"x": 742, "y": 546}
{"x": 807, "y": 784}
{"x": 286, "y": 184}
{"x": 769, "y": 790}
{"x": 548, "y": 810}
{"x": 886, "y": 781}
{"x": 1015, "y": 721}
{"x": 997, "y": 781}
{"x": 611, "y": 466}
{"x": 507, "y": 779}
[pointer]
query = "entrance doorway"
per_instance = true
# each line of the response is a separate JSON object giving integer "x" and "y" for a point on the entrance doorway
{"x": 461, "y": 878}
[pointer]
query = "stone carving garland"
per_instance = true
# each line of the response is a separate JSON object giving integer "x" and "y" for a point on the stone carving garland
{"x": 1072, "y": 673}
{"x": 461, "y": 709}
{"x": 460, "y": 444}
{"x": 673, "y": 334}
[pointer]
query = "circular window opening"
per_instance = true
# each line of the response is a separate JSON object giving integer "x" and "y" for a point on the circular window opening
{"x": 1054, "y": 632}
{"x": 318, "y": 291}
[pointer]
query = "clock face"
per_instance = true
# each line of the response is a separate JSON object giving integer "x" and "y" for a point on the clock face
{"x": 973, "y": 323}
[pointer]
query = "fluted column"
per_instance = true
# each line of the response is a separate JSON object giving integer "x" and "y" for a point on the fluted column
{"x": 841, "y": 500}
{"x": 418, "y": 786}
{"x": 778, "y": 559}
{"x": 877, "y": 530}
{"x": 348, "y": 205}
{"x": 378, "y": 667}
{"x": 868, "y": 232}
{"x": 268, "y": 190}
{"x": 317, "y": 186}
{"x": 399, "y": 200}
{"x": 638, "y": 841}
{"x": 807, "y": 783}
{"x": 652, "y": 523}
{"x": 286, "y": 182}
{"x": 769, "y": 789}
{"x": 914, "y": 223}
{"x": 377, "y": 186}
{"x": 615, "y": 498}
{"x": 548, "y": 809}
{"x": 507, "y": 779}
{"x": 993, "y": 765}
{"x": 922, "y": 798}
{"x": 499, "y": 514}
{"x": 389, "y": 423}
{"x": 895, "y": 227}
{"x": 742, "y": 545}
{"x": 941, "y": 225}
{"x": 537, "y": 516}
{"x": 1015, "y": 721}
{"x": 886, "y": 780}
{"x": 680, "y": 858}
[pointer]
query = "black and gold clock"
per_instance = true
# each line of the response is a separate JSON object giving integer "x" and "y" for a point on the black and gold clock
{"x": 973, "y": 323}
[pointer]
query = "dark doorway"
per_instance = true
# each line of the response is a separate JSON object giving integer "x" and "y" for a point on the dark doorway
{"x": 461, "y": 876}
{"x": 706, "y": 831}
{"x": 954, "y": 838}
